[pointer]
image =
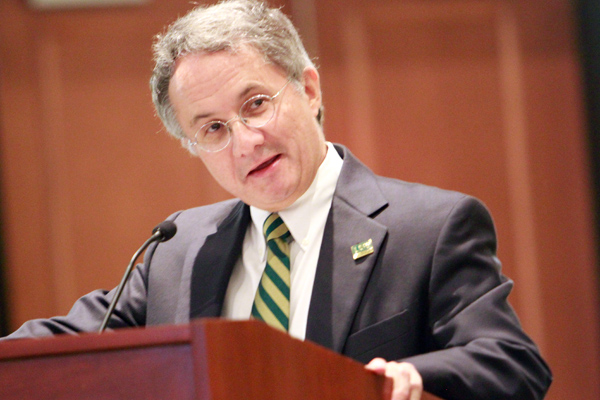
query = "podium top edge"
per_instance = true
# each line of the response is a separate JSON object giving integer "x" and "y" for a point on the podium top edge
{"x": 94, "y": 342}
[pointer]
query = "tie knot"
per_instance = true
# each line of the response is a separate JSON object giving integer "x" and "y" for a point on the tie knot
{"x": 274, "y": 228}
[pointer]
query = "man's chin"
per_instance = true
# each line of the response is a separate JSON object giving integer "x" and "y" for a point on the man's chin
{"x": 271, "y": 203}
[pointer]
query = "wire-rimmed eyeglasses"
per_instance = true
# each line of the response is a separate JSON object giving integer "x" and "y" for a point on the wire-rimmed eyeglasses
{"x": 256, "y": 112}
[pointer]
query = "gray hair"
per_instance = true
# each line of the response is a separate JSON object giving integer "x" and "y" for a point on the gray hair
{"x": 228, "y": 25}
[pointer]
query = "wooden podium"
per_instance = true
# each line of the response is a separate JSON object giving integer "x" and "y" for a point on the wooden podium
{"x": 208, "y": 359}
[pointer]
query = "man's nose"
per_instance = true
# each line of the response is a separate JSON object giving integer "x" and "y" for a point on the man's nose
{"x": 244, "y": 139}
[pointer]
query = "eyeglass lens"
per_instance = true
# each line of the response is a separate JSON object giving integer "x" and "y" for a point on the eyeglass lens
{"x": 255, "y": 113}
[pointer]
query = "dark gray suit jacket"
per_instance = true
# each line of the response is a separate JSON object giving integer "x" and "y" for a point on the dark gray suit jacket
{"x": 431, "y": 293}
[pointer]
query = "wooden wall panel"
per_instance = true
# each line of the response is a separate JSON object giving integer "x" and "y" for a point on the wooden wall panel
{"x": 565, "y": 236}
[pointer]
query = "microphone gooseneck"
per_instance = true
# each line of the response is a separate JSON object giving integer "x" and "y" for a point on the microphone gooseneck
{"x": 161, "y": 233}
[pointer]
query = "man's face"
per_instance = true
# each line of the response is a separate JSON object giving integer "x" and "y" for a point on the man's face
{"x": 268, "y": 167}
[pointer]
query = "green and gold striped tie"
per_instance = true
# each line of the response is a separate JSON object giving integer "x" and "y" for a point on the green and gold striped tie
{"x": 272, "y": 300}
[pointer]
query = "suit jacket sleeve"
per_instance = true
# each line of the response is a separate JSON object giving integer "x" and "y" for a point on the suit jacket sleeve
{"x": 478, "y": 349}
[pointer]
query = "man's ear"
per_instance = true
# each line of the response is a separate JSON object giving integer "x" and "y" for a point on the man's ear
{"x": 312, "y": 88}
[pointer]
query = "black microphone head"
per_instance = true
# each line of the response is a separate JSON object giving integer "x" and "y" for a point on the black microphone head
{"x": 166, "y": 229}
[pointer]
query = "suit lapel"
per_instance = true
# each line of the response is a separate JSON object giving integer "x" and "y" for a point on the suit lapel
{"x": 340, "y": 280}
{"x": 214, "y": 263}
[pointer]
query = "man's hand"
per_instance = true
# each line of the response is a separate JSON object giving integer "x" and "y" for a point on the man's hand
{"x": 408, "y": 384}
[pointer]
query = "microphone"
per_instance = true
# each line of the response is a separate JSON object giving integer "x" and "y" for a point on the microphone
{"x": 161, "y": 233}
{"x": 166, "y": 230}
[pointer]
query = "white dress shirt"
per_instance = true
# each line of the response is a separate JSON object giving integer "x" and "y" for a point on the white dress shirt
{"x": 305, "y": 220}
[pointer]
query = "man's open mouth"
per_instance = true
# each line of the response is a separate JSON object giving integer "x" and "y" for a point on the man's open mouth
{"x": 265, "y": 165}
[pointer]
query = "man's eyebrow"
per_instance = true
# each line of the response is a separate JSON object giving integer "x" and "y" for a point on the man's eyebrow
{"x": 197, "y": 118}
{"x": 241, "y": 96}
{"x": 249, "y": 88}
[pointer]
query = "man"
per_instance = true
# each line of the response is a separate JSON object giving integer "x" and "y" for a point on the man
{"x": 401, "y": 276}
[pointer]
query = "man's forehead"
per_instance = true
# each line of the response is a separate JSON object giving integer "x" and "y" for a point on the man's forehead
{"x": 244, "y": 55}
{"x": 245, "y": 64}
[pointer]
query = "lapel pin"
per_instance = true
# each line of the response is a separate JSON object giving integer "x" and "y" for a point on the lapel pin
{"x": 362, "y": 249}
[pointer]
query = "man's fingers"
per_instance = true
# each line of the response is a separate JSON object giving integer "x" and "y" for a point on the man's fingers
{"x": 377, "y": 365}
{"x": 408, "y": 384}
{"x": 415, "y": 382}
{"x": 401, "y": 378}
